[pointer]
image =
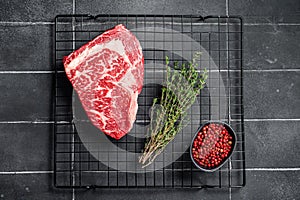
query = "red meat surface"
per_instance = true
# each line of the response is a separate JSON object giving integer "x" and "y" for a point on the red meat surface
{"x": 107, "y": 73}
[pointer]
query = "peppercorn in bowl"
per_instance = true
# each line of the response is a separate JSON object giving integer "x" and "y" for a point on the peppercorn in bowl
{"x": 212, "y": 145}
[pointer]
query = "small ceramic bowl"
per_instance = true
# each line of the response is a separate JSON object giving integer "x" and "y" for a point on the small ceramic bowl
{"x": 233, "y": 135}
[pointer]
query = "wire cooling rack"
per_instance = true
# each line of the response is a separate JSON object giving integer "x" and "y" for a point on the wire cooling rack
{"x": 76, "y": 167}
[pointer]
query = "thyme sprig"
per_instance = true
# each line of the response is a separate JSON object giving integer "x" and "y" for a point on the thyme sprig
{"x": 182, "y": 86}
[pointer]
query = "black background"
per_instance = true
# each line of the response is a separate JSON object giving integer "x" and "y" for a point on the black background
{"x": 271, "y": 89}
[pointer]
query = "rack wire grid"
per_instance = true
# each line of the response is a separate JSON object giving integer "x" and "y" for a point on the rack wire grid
{"x": 221, "y": 37}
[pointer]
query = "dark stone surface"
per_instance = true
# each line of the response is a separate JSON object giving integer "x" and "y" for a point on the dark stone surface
{"x": 267, "y": 95}
{"x": 33, "y": 10}
{"x": 269, "y": 185}
{"x": 272, "y": 144}
{"x": 133, "y": 194}
{"x": 266, "y": 11}
{"x": 30, "y": 147}
{"x": 206, "y": 7}
{"x": 271, "y": 47}
{"x": 272, "y": 95}
{"x": 26, "y": 47}
{"x": 30, "y": 186}
{"x": 26, "y": 97}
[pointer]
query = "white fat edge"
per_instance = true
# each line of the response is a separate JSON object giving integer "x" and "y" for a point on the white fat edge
{"x": 127, "y": 81}
{"x": 129, "y": 78}
{"x": 135, "y": 97}
{"x": 133, "y": 116}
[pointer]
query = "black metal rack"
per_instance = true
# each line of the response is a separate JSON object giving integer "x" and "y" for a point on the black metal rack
{"x": 221, "y": 37}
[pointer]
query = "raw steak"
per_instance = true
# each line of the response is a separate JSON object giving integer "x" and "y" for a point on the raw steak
{"x": 107, "y": 73}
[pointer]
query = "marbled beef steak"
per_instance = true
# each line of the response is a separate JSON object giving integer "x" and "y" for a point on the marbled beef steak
{"x": 107, "y": 73}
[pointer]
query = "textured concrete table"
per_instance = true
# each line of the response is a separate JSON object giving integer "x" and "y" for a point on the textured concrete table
{"x": 271, "y": 96}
